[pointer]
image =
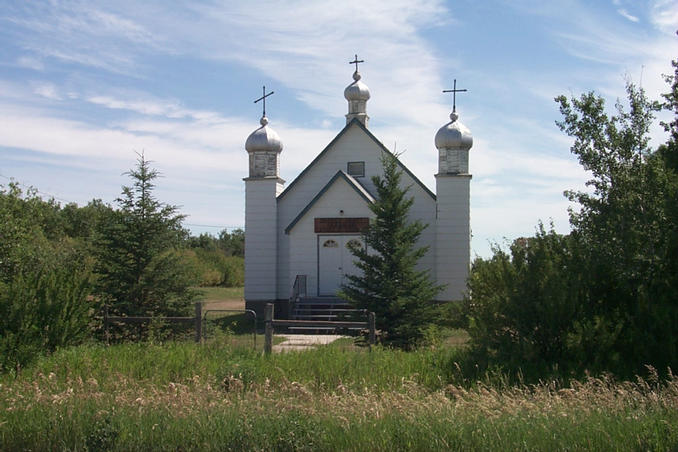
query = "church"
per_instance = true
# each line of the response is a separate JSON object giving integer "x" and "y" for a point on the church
{"x": 296, "y": 236}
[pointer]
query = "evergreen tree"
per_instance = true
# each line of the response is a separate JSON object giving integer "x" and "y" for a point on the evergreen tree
{"x": 389, "y": 285}
{"x": 139, "y": 270}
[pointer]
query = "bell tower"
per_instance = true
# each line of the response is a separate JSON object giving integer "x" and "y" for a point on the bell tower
{"x": 261, "y": 190}
{"x": 453, "y": 220}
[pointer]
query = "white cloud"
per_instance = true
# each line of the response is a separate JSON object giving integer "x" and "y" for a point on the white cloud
{"x": 664, "y": 15}
{"x": 282, "y": 43}
{"x": 625, "y": 14}
{"x": 152, "y": 107}
{"x": 47, "y": 90}
{"x": 30, "y": 63}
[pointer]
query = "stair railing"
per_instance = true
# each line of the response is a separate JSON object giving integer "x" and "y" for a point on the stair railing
{"x": 298, "y": 291}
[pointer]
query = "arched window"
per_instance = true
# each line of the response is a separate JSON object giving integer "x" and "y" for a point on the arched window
{"x": 330, "y": 244}
{"x": 354, "y": 243}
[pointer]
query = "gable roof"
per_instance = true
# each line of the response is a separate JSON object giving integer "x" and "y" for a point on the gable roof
{"x": 340, "y": 174}
{"x": 356, "y": 122}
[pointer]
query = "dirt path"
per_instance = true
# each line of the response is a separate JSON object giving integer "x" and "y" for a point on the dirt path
{"x": 224, "y": 304}
{"x": 297, "y": 342}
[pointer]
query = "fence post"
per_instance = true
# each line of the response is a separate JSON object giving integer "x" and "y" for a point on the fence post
{"x": 268, "y": 319}
{"x": 370, "y": 320}
{"x": 198, "y": 321}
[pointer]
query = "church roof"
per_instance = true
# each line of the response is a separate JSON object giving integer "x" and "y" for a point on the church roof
{"x": 356, "y": 122}
{"x": 352, "y": 182}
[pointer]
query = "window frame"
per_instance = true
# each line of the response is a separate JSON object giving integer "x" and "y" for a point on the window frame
{"x": 348, "y": 169}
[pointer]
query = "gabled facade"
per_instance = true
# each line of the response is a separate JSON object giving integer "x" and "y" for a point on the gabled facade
{"x": 302, "y": 231}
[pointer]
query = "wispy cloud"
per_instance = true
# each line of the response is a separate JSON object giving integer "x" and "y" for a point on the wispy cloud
{"x": 664, "y": 15}
{"x": 47, "y": 90}
{"x": 625, "y": 14}
{"x": 152, "y": 107}
{"x": 281, "y": 43}
{"x": 77, "y": 32}
{"x": 30, "y": 63}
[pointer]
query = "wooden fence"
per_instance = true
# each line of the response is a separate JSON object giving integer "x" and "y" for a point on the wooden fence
{"x": 197, "y": 320}
{"x": 271, "y": 323}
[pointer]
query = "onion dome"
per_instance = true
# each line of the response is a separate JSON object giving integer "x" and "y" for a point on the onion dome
{"x": 357, "y": 95}
{"x": 454, "y": 135}
{"x": 264, "y": 139}
{"x": 357, "y": 91}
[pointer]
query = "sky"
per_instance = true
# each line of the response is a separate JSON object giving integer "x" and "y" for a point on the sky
{"x": 85, "y": 86}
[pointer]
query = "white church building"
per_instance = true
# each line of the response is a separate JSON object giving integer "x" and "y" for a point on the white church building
{"x": 296, "y": 235}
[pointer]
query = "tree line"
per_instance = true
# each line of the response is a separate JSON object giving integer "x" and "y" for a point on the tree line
{"x": 60, "y": 264}
{"x": 605, "y": 296}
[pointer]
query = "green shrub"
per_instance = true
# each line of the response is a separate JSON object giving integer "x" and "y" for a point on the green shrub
{"x": 42, "y": 310}
{"x": 215, "y": 268}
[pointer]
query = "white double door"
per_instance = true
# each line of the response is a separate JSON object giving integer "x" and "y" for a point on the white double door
{"x": 335, "y": 261}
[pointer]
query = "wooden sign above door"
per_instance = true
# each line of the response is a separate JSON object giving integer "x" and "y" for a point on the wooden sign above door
{"x": 340, "y": 225}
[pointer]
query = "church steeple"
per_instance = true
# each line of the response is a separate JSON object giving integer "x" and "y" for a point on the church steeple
{"x": 357, "y": 94}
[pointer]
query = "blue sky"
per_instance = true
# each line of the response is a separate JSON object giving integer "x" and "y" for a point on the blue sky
{"x": 84, "y": 85}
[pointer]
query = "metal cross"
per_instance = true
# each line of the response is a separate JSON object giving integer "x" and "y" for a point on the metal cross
{"x": 356, "y": 61}
{"x": 454, "y": 95}
{"x": 264, "y": 98}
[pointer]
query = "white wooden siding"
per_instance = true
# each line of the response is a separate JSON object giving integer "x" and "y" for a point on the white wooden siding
{"x": 303, "y": 240}
{"x": 353, "y": 146}
{"x": 453, "y": 234}
{"x": 260, "y": 239}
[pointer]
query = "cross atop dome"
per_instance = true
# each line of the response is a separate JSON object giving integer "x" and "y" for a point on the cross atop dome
{"x": 356, "y": 61}
{"x": 454, "y": 92}
{"x": 263, "y": 97}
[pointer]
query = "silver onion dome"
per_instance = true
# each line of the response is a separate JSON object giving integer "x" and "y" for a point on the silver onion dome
{"x": 263, "y": 139}
{"x": 454, "y": 135}
{"x": 357, "y": 91}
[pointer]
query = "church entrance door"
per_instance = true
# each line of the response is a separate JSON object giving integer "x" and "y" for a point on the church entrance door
{"x": 334, "y": 262}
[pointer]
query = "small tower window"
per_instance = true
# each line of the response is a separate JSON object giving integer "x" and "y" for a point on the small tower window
{"x": 356, "y": 169}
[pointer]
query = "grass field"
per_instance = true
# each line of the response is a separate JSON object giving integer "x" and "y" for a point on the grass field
{"x": 225, "y": 394}
{"x": 222, "y": 297}
{"x": 183, "y": 396}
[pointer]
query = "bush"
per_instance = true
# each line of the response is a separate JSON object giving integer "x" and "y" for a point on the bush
{"x": 215, "y": 268}
{"x": 525, "y": 304}
{"x": 42, "y": 310}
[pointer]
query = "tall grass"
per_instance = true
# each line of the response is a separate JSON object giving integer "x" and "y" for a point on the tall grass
{"x": 324, "y": 368}
{"x": 213, "y": 397}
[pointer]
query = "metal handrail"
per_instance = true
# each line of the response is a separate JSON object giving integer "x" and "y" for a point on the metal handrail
{"x": 299, "y": 284}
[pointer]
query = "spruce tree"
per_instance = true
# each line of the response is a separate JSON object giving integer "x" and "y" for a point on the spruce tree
{"x": 139, "y": 272}
{"x": 389, "y": 284}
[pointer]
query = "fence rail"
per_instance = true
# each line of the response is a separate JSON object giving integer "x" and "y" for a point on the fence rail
{"x": 197, "y": 320}
{"x": 271, "y": 323}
